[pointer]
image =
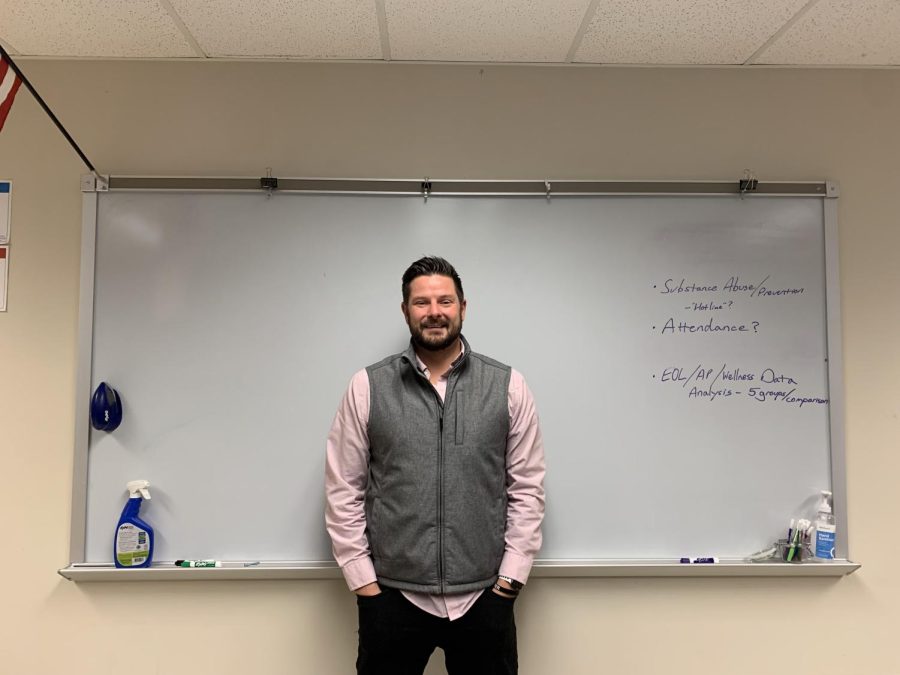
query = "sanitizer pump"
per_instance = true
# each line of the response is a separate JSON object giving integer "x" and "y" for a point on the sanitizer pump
{"x": 134, "y": 538}
{"x": 825, "y": 529}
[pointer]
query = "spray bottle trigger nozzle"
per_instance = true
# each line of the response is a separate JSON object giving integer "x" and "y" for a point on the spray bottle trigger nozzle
{"x": 139, "y": 486}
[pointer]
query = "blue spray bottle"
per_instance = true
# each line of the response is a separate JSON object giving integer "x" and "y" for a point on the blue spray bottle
{"x": 134, "y": 538}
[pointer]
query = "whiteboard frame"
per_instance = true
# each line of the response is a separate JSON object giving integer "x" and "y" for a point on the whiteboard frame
{"x": 834, "y": 349}
{"x": 78, "y": 530}
{"x": 542, "y": 569}
{"x": 829, "y": 191}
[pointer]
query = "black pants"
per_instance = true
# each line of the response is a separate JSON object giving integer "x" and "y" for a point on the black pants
{"x": 397, "y": 638}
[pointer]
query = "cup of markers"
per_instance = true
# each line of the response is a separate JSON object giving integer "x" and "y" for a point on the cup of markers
{"x": 798, "y": 545}
{"x": 791, "y": 552}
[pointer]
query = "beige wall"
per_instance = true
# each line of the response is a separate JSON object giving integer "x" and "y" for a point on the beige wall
{"x": 454, "y": 122}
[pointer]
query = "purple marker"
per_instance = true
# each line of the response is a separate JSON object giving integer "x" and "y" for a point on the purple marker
{"x": 706, "y": 560}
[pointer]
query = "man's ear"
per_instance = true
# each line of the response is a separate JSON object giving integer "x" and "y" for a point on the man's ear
{"x": 405, "y": 313}
{"x": 462, "y": 310}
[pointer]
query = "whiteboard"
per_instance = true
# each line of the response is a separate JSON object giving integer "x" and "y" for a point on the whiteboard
{"x": 677, "y": 349}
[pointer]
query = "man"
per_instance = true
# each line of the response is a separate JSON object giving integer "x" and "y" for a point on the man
{"x": 434, "y": 489}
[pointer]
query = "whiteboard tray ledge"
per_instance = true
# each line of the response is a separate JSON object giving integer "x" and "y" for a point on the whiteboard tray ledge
{"x": 673, "y": 568}
{"x": 167, "y": 571}
{"x": 80, "y": 572}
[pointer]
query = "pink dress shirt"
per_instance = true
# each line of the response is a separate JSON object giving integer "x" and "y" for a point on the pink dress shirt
{"x": 347, "y": 471}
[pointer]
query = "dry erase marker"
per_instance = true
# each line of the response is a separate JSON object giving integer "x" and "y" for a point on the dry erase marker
{"x": 198, "y": 563}
{"x": 698, "y": 561}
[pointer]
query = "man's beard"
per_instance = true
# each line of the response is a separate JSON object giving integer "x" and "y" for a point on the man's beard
{"x": 436, "y": 344}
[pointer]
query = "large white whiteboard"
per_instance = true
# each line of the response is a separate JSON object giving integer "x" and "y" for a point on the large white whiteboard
{"x": 231, "y": 323}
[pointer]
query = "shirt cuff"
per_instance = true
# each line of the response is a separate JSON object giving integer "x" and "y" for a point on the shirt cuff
{"x": 516, "y": 566}
{"x": 358, "y": 573}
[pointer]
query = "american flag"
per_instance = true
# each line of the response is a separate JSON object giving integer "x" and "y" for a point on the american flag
{"x": 9, "y": 85}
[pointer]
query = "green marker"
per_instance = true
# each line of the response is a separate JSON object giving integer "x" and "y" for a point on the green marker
{"x": 198, "y": 563}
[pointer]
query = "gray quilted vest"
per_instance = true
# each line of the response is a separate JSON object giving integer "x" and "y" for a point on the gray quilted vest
{"x": 436, "y": 497}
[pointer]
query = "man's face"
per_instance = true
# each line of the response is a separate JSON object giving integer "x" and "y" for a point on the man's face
{"x": 433, "y": 312}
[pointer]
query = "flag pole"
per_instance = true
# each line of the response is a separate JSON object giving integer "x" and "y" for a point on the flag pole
{"x": 49, "y": 112}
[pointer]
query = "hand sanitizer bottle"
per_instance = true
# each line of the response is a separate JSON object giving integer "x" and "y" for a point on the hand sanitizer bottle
{"x": 134, "y": 538}
{"x": 825, "y": 529}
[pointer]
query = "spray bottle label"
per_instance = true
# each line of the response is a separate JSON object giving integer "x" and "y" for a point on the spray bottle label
{"x": 132, "y": 545}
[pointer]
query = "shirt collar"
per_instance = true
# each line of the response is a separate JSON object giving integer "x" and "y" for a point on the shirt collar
{"x": 420, "y": 364}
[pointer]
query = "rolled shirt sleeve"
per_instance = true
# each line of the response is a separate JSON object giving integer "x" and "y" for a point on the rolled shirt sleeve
{"x": 525, "y": 470}
{"x": 346, "y": 476}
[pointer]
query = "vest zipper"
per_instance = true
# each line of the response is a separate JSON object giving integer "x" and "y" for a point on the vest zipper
{"x": 440, "y": 481}
{"x": 440, "y": 513}
{"x": 451, "y": 381}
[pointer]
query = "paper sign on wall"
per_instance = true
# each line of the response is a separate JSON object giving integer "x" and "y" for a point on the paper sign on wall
{"x": 5, "y": 190}
{"x": 4, "y": 271}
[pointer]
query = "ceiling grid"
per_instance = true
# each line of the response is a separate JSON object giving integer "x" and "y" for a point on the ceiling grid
{"x": 383, "y": 30}
{"x": 582, "y": 29}
{"x": 854, "y": 33}
{"x": 781, "y": 31}
{"x": 184, "y": 29}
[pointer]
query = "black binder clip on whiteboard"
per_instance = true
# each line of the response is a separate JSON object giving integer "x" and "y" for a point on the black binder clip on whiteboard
{"x": 269, "y": 183}
{"x": 748, "y": 183}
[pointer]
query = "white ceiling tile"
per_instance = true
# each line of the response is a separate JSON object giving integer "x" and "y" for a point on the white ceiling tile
{"x": 483, "y": 30}
{"x": 8, "y": 47}
{"x": 311, "y": 29}
{"x": 792, "y": 32}
{"x": 841, "y": 32}
{"x": 136, "y": 28}
{"x": 682, "y": 31}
